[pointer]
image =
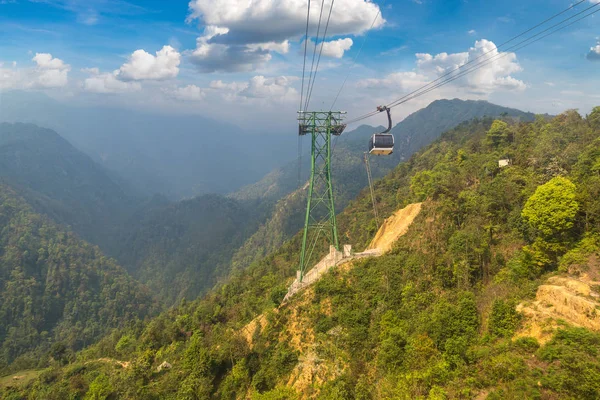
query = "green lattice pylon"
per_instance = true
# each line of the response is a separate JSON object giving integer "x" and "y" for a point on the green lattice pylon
{"x": 320, "y": 209}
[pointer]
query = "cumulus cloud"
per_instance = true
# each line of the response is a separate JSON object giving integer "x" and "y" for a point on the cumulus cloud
{"x": 334, "y": 48}
{"x": 144, "y": 66}
{"x": 440, "y": 63}
{"x": 281, "y": 48}
{"x": 141, "y": 66}
{"x": 213, "y": 57}
{"x": 271, "y": 88}
{"x": 495, "y": 76}
{"x": 107, "y": 82}
{"x": 257, "y": 89}
{"x": 187, "y": 93}
{"x": 594, "y": 54}
{"x": 263, "y": 21}
{"x": 240, "y": 35}
{"x": 398, "y": 81}
{"x": 49, "y": 72}
{"x": 231, "y": 86}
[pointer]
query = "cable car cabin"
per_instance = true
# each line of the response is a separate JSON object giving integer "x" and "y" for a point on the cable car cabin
{"x": 381, "y": 144}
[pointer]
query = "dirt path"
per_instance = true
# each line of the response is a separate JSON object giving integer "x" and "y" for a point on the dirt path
{"x": 394, "y": 227}
{"x": 123, "y": 364}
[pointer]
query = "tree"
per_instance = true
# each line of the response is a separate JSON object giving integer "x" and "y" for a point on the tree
{"x": 552, "y": 209}
{"x": 594, "y": 118}
{"x": 100, "y": 389}
{"x": 504, "y": 319}
{"x": 498, "y": 133}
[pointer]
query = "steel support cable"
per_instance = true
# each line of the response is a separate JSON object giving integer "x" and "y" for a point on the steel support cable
{"x": 314, "y": 52}
{"x": 495, "y": 58}
{"x": 311, "y": 86}
{"x": 304, "y": 63}
{"x": 353, "y": 64}
{"x": 358, "y": 54}
{"x": 371, "y": 189}
{"x": 368, "y": 115}
{"x": 301, "y": 96}
{"x": 484, "y": 62}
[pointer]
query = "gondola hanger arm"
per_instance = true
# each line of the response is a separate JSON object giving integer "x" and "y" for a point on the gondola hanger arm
{"x": 382, "y": 109}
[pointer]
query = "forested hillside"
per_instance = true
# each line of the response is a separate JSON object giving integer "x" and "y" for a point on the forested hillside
{"x": 57, "y": 292}
{"x": 60, "y": 181}
{"x": 180, "y": 155}
{"x": 435, "y": 318}
{"x": 412, "y": 134}
{"x": 180, "y": 249}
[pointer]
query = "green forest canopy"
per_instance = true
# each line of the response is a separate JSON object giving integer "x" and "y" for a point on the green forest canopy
{"x": 433, "y": 319}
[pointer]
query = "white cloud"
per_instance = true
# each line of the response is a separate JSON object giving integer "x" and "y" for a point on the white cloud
{"x": 440, "y": 63}
{"x": 212, "y": 57}
{"x": 144, "y": 66}
{"x": 141, "y": 66}
{"x": 232, "y": 86}
{"x": 9, "y": 77}
{"x": 495, "y": 76}
{"x": 398, "y": 81}
{"x": 187, "y": 93}
{"x": 107, "y": 82}
{"x": 487, "y": 78}
{"x": 281, "y": 48}
{"x": 50, "y": 72}
{"x": 257, "y": 91}
{"x": 240, "y": 35}
{"x": 594, "y": 54}
{"x": 269, "y": 88}
{"x": 334, "y": 48}
{"x": 472, "y": 32}
{"x": 262, "y": 21}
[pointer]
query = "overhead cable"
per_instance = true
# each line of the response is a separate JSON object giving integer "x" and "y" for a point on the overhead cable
{"x": 425, "y": 88}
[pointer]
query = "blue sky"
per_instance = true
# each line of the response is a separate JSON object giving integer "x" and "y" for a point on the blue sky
{"x": 218, "y": 55}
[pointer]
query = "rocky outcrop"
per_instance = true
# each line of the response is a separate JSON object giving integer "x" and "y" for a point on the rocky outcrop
{"x": 562, "y": 299}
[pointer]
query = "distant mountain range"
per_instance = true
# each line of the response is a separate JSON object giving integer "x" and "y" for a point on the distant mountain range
{"x": 175, "y": 155}
{"x": 60, "y": 181}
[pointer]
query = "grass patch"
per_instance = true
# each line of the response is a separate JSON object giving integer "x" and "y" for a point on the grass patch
{"x": 23, "y": 378}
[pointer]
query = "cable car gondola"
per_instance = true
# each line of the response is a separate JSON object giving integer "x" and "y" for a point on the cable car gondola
{"x": 382, "y": 144}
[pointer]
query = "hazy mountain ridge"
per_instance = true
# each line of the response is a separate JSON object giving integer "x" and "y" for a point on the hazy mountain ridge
{"x": 180, "y": 249}
{"x": 176, "y": 155}
{"x": 60, "y": 181}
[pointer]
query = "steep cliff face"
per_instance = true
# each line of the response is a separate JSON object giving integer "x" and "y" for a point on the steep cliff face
{"x": 561, "y": 300}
